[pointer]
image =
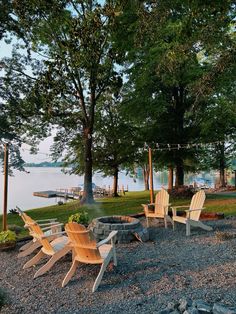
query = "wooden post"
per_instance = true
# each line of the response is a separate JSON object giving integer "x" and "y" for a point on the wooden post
{"x": 4, "y": 220}
{"x": 151, "y": 175}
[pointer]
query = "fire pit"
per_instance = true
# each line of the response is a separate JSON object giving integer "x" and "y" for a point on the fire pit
{"x": 128, "y": 228}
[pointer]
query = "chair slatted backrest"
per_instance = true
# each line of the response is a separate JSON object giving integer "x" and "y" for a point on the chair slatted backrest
{"x": 83, "y": 243}
{"x": 22, "y": 214}
{"x": 197, "y": 202}
{"x": 162, "y": 200}
{"x": 37, "y": 232}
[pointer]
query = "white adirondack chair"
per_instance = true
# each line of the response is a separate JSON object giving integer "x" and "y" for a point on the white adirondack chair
{"x": 161, "y": 206}
{"x": 192, "y": 214}
{"x": 86, "y": 250}
{"x": 50, "y": 228}
{"x": 55, "y": 249}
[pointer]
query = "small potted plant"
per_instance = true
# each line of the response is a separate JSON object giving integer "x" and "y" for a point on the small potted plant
{"x": 81, "y": 218}
{"x": 7, "y": 240}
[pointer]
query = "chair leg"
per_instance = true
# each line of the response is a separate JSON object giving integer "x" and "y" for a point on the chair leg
{"x": 26, "y": 246}
{"x": 70, "y": 273}
{"x": 34, "y": 260}
{"x": 30, "y": 250}
{"x": 173, "y": 224}
{"x": 147, "y": 222}
{"x": 114, "y": 256}
{"x": 187, "y": 228}
{"x": 165, "y": 222}
{"x": 100, "y": 275}
{"x": 51, "y": 262}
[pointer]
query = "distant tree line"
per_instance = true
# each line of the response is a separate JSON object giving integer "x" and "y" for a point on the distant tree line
{"x": 111, "y": 76}
{"x": 44, "y": 164}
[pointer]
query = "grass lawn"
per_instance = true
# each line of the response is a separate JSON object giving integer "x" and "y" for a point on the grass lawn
{"x": 128, "y": 204}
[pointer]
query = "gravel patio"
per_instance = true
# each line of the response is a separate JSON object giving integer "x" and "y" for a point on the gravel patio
{"x": 148, "y": 276}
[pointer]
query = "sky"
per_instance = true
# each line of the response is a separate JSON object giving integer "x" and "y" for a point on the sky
{"x": 44, "y": 147}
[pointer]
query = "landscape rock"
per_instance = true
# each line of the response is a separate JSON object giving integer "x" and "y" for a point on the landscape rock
{"x": 184, "y": 304}
{"x": 172, "y": 305}
{"x": 202, "y": 306}
{"x": 191, "y": 310}
{"x": 222, "y": 309}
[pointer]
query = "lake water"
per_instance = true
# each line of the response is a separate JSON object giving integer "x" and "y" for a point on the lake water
{"x": 22, "y": 185}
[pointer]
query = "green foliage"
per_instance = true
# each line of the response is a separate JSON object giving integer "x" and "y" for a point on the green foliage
{"x": 7, "y": 236}
{"x": 76, "y": 68}
{"x": 175, "y": 66}
{"x": 81, "y": 218}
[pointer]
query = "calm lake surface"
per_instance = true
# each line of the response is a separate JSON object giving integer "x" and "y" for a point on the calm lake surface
{"x": 22, "y": 185}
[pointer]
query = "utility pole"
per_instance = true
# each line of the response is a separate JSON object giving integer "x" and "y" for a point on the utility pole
{"x": 151, "y": 175}
{"x": 6, "y": 154}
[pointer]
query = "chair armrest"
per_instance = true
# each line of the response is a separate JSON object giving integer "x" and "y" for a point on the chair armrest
{"x": 180, "y": 206}
{"x": 109, "y": 238}
{"x": 193, "y": 210}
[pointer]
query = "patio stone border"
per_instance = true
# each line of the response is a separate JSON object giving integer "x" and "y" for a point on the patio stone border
{"x": 128, "y": 228}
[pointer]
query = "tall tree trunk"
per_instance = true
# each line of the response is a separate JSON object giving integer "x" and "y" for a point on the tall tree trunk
{"x": 146, "y": 172}
{"x": 170, "y": 178}
{"x": 222, "y": 166}
{"x": 115, "y": 182}
{"x": 179, "y": 174}
{"x": 179, "y": 109}
{"x": 88, "y": 162}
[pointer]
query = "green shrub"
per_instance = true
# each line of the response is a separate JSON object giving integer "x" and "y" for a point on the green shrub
{"x": 7, "y": 236}
{"x": 81, "y": 218}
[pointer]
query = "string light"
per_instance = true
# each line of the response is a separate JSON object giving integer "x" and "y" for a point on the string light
{"x": 167, "y": 146}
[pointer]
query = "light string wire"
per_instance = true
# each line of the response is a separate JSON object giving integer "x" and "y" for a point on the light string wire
{"x": 155, "y": 146}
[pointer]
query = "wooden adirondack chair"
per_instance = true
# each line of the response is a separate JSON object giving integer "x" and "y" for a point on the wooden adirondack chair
{"x": 51, "y": 227}
{"x": 160, "y": 207}
{"x": 192, "y": 214}
{"x": 55, "y": 249}
{"x": 86, "y": 250}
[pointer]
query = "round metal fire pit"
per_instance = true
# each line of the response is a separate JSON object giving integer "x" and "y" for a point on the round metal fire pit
{"x": 128, "y": 228}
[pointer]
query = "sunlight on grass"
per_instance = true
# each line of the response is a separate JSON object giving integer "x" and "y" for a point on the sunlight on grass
{"x": 128, "y": 204}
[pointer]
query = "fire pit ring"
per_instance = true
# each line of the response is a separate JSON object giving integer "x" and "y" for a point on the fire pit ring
{"x": 128, "y": 228}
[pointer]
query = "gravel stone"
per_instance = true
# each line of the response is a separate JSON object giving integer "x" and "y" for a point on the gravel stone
{"x": 148, "y": 277}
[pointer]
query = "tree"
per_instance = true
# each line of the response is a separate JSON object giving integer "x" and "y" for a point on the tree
{"x": 114, "y": 136}
{"x": 177, "y": 49}
{"x": 11, "y": 120}
{"x": 219, "y": 124}
{"x": 76, "y": 67}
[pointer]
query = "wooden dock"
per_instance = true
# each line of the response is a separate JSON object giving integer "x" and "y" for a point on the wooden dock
{"x": 50, "y": 194}
{"x": 76, "y": 192}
